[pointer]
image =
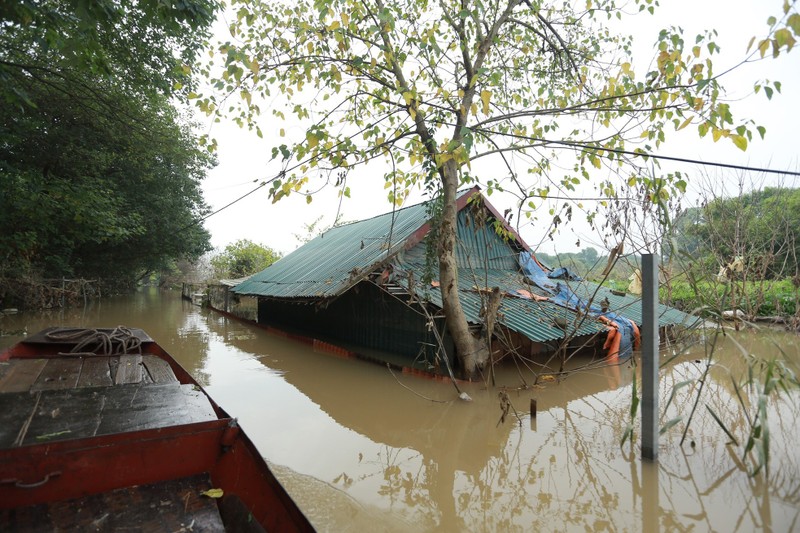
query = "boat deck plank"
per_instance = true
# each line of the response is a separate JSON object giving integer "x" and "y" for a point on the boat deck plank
{"x": 21, "y": 374}
{"x": 59, "y": 373}
{"x": 96, "y": 372}
{"x": 136, "y": 407}
{"x": 50, "y": 415}
{"x": 129, "y": 369}
{"x": 15, "y": 417}
{"x": 175, "y": 505}
{"x": 159, "y": 370}
{"x": 66, "y": 398}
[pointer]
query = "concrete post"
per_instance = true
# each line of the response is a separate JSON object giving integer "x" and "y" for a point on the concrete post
{"x": 650, "y": 357}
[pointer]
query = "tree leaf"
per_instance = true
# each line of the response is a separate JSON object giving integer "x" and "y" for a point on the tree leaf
{"x": 485, "y": 97}
{"x": 794, "y": 22}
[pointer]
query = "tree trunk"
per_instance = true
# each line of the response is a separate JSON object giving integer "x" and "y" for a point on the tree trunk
{"x": 465, "y": 343}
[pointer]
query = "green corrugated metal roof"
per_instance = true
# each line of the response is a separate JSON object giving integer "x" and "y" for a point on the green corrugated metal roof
{"x": 629, "y": 305}
{"x": 333, "y": 262}
{"x": 536, "y": 319}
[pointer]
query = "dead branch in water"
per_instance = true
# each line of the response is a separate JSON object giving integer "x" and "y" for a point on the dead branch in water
{"x": 389, "y": 367}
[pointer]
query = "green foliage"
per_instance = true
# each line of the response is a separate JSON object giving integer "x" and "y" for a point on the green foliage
{"x": 243, "y": 258}
{"x": 756, "y": 298}
{"x": 138, "y": 45}
{"x": 427, "y": 86}
{"x": 763, "y": 227}
{"x": 100, "y": 173}
{"x": 87, "y": 195}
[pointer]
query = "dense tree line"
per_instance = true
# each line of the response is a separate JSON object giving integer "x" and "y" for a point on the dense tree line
{"x": 243, "y": 258}
{"x": 99, "y": 170}
{"x": 761, "y": 227}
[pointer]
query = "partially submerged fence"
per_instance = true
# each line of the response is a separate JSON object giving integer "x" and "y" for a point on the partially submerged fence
{"x": 49, "y": 293}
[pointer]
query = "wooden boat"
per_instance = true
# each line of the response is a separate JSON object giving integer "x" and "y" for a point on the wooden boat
{"x": 102, "y": 430}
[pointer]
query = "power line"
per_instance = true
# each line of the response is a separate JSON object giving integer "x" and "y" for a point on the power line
{"x": 568, "y": 144}
{"x": 587, "y": 146}
{"x": 683, "y": 159}
{"x": 242, "y": 197}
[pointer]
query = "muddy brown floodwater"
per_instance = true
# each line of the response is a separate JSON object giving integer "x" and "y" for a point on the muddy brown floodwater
{"x": 362, "y": 449}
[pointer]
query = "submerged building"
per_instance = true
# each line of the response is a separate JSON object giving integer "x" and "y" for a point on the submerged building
{"x": 371, "y": 287}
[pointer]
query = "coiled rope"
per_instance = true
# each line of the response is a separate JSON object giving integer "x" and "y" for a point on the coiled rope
{"x": 119, "y": 341}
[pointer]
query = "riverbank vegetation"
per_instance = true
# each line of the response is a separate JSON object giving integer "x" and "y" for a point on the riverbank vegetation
{"x": 242, "y": 258}
{"x": 100, "y": 169}
{"x": 739, "y": 253}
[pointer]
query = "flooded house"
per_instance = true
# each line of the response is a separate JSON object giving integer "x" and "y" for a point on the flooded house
{"x": 370, "y": 287}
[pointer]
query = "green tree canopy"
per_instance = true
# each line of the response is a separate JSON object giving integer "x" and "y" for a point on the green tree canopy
{"x": 243, "y": 258}
{"x": 141, "y": 46}
{"x": 85, "y": 194}
{"x": 762, "y": 227}
{"x": 99, "y": 172}
{"x": 429, "y": 88}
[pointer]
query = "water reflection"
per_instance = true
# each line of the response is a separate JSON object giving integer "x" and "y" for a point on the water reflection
{"x": 359, "y": 451}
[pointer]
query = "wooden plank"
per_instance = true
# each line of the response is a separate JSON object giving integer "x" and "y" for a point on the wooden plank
{"x": 113, "y": 364}
{"x": 21, "y": 375}
{"x": 60, "y": 373}
{"x": 66, "y": 414}
{"x": 129, "y": 370}
{"x": 174, "y": 505}
{"x": 96, "y": 372}
{"x": 158, "y": 369}
{"x": 16, "y": 410}
{"x": 132, "y": 408}
{"x": 86, "y": 412}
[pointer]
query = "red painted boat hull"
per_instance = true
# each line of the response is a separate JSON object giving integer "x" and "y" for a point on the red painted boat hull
{"x": 35, "y": 474}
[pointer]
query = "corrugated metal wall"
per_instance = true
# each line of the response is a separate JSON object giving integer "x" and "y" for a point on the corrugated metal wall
{"x": 365, "y": 316}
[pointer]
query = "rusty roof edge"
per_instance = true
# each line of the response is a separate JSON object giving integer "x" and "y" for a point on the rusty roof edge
{"x": 505, "y": 224}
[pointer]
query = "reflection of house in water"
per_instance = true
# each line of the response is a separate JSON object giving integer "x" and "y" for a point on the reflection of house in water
{"x": 371, "y": 286}
{"x": 453, "y": 439}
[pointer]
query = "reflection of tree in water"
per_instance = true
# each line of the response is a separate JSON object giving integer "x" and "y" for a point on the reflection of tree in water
{"x": 411, "y": 486}
{"x": 192, "y": 340}
{"x": 448, "y": 468}
{"x": 713, "y": 471}
{"x": 571, "y": 476}
{"x": 406, "y": 480}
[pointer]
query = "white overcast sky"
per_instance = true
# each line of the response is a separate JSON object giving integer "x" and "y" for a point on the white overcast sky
{"x": 244, "y": 159}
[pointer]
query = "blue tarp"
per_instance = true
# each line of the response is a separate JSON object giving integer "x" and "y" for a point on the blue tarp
{"x": 563, "y": 295}
{"x": 564, "y": 273}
